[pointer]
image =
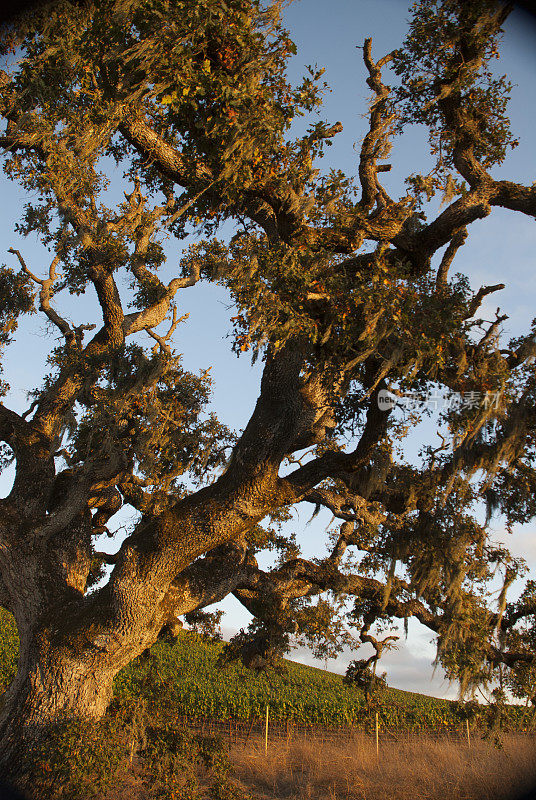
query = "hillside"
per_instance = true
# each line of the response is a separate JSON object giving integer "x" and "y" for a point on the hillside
{"x": 181, "y": 678}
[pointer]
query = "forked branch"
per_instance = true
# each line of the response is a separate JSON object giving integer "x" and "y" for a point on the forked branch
{"x": 45, "y": 295}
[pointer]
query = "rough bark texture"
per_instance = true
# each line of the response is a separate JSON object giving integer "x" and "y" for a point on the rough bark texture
{"x": 51, "y": 684}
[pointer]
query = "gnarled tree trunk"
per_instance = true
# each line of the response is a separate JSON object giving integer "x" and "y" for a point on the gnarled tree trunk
{"x": 70, "y": 647}
{"x": 56, "y": 680}
{"x": 72, "y": 644}
{"x": 51, "y": 683}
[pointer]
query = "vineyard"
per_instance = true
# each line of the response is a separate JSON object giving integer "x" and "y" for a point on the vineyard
{"x": 185, "y": 673}
{"x": 181, "y": 679}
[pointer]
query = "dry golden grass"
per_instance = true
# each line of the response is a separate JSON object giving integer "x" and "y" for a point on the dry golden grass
{"x": 418, "y": 769}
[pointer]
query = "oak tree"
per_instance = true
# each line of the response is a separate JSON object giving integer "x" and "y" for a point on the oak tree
{"x": 344, "y": 294}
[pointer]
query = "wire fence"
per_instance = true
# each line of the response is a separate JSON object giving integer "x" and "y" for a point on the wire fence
{"x": 238, "y": 732}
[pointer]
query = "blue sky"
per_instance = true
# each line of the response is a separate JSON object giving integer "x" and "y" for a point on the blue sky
{"x": 500, "y": 249}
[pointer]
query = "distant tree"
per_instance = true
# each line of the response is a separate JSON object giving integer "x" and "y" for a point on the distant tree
{"x": 341, "y": 291}
{"x": 360, "y": 673}
{"x": 206, "y": 623}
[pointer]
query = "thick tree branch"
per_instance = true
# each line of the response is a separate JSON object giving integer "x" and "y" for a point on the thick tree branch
{"x": 75, "y": 488}
{"x": 349, "y": 507}
{"x": 457, "y": 241}
{"x": 461, "y": 122}
{"x": 155, "y": 314}
{"x": 301, "y": 578}
{"x": 509, "y": 657}
{"x": 336, "y": 464}
{"x": 13, "y": 428}
{"x": 34, "y": 469}
{"x": 375, "y": 143}
{"x": 209, "y": 579}
{"x": 171, "y": 163}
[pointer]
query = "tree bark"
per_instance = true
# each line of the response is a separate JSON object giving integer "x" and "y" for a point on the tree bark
{"x": 52, "y": 684}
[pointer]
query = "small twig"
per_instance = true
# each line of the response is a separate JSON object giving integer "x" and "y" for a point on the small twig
{"x": 162, "y": 341}
{"x": 443, "y": 446}
{"x": 493, "y": 328}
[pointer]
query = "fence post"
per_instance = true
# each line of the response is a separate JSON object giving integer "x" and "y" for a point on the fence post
{"x": 467, "y": 728}
{"x": 377, "y": 739}
{"x": 266, "y": 733}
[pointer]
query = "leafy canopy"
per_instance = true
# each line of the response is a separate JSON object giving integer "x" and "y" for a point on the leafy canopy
{"x": 342, "y": 291}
